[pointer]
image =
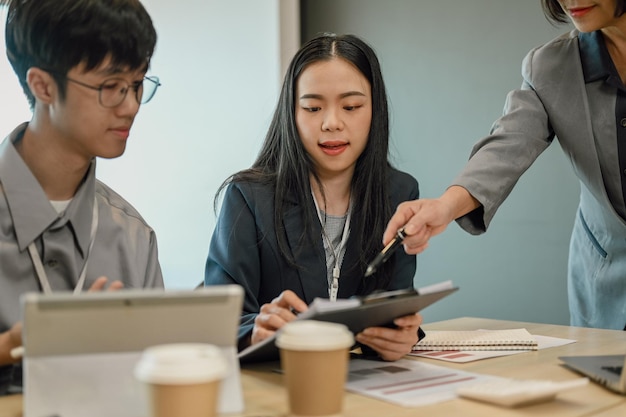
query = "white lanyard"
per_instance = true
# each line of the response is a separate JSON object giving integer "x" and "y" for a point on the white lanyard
{"x": 41, "y": 273}
{"x": 333, "y": 287}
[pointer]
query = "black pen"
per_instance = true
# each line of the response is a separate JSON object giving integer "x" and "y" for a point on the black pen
{"x": 384, "y": 254}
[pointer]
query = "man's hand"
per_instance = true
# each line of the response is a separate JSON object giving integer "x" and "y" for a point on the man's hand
{"x": 100, "y": 283}
{"x": 10, "y": 340}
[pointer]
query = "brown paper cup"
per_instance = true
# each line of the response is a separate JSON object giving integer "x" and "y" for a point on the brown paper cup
{"x": 182, "y": 379}
{"x": 196, "y": 400}
{"x": 314, "y": 357}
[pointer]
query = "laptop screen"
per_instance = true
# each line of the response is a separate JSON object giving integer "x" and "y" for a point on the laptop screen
{"x": 80, "y": 350}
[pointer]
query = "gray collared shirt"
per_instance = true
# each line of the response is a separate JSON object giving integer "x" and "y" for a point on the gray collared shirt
{"x": 124, "y": 249}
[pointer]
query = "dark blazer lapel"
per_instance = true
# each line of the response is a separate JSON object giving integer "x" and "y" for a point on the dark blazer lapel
{"x": 351, "y": 272}
{"x": 310, "y": 260}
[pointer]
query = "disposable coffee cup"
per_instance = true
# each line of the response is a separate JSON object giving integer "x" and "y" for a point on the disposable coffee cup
{"x": 182, "y": 379}
{"x": 314, "y": 357}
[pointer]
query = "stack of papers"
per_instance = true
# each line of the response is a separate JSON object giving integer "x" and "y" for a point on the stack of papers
{"x": 510, "y": 339}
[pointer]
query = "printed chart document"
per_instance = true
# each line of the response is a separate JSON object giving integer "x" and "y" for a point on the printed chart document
{"x": 378, "y": 309}
{"x": 407, "y": 382}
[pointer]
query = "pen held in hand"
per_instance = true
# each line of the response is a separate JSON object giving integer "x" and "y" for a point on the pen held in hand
{"x": 384, "y": 254}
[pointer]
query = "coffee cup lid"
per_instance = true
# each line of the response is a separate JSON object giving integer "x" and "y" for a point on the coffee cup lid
{"x": 307, "y": 335}
{"x": 181, "y": 363}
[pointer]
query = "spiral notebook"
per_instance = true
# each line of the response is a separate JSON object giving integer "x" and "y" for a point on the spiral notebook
{"x": 509, "y": 339}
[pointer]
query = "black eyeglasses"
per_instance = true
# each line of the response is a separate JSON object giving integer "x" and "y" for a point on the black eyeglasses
{"x": 113, "y": 91}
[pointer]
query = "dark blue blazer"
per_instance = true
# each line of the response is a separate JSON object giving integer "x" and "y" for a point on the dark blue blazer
{"x": 244, "y": 250}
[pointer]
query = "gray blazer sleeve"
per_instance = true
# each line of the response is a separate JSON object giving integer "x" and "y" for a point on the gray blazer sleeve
{"x": 514, "y": 143}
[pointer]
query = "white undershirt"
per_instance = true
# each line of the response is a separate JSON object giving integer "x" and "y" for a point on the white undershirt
{"x": 60, "y": 205}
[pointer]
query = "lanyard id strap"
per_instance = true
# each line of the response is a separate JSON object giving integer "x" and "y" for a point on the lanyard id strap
{"x": 333, "y": 286}
{"x": 38, "y": 264}
{"x": 41, "y": 273}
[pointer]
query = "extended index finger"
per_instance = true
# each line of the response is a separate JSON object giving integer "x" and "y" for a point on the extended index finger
{"x": 401, "y": 218}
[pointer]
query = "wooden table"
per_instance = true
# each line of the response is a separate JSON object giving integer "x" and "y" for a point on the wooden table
{"x": 265, "y": 395}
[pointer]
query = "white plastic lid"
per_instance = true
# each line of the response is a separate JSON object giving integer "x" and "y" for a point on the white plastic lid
{"x": 181, "y": 363}
{"x": 308, "y": 335}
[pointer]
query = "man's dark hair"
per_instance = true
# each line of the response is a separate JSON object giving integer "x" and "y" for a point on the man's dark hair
{"x": 57, "y": 35}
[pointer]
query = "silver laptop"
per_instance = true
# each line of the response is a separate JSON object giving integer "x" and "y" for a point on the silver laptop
{"x": 607, "y": 370}
{"x": 81, "y": 350}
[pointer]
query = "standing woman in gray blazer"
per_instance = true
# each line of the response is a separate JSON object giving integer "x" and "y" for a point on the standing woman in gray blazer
{"x": 574, "y": 89}
{"x": 306, "y": 218}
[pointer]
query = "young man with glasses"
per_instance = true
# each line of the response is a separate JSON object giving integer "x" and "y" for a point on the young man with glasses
{"x": 82, "y": 65}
